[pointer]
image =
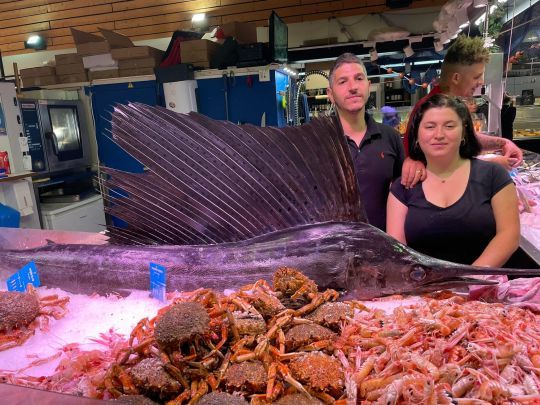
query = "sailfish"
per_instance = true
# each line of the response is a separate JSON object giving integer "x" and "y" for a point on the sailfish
{"x": 223, "y": 205}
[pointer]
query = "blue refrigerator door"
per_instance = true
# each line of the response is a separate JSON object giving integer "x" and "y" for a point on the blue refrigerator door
{"x": 243, "y": 99}
{"x": 104, "y": 98}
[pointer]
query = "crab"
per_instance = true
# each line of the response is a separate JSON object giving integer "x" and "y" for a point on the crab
{"x": 20, "y": 315}
{"x": 331, "y": 315}
{"x": 184, "y": 322}
{"x": 17, "y": 309}
{"x": 321, "y": 374}
{"x": 148, "y": 376}
{"x": 307, "y": 337}
{"x": 264, "y": 300}
{"x": 293, "y": 284}
{"x": 248, "y": 323}
{"x": 248, "y": 376}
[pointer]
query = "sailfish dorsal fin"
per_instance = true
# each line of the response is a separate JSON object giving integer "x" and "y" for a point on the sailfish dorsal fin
{"x": 213, "y": 181}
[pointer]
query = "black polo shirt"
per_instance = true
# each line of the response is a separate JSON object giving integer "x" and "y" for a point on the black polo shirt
{"x": 377, "y": 162}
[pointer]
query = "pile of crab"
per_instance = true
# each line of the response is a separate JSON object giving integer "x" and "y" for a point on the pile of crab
{"x": 269, "y": 345}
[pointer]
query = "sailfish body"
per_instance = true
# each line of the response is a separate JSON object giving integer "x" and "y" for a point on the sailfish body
{"x": 224, "y": 205}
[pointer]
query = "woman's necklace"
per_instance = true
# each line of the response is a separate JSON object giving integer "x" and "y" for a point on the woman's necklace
{"x": 447, "y": 177}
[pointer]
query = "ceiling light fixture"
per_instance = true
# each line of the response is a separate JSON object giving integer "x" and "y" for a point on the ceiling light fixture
{"x": 36, "y": 42}
{"x": 198, "y": 17}
{"x": 199, "y": 22}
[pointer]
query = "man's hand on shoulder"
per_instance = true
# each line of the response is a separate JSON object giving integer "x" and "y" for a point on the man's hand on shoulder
{"x": 512, "y": 152}
{"x": 504, "y": 161}
{"x": 412, "y": 172}
{"x": 509, "y": 149}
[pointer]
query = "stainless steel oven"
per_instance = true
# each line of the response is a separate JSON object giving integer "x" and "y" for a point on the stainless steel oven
{"x": 57, "y": 133}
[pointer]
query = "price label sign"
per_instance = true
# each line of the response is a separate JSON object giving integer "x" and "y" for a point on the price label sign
{"x": 26, "y": 275}
{"x": 158, "y": 281}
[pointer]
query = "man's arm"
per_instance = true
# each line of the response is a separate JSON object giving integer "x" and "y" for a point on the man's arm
{"x": 509, "y": 148}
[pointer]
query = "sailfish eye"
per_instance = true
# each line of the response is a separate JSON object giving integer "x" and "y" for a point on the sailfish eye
{"x": 417, "y": 273}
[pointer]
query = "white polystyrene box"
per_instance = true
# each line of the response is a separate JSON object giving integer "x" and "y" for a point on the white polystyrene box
{"x": 18, "y": 195}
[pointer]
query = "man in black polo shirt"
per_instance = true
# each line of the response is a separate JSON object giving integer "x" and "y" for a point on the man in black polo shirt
{"x": 376, "y": 149}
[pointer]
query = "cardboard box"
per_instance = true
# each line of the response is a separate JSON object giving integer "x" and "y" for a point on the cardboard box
{"x": 197, "y": 50}
{"x": 244, "y": 33}
{"x": 136, "y": 72}
{"x": 102, "y": 74}
{"x": 138, "y": 63}
{"x": 103, "y": 60}
{"x": 71, "y": 68}
{"x": 73, "y": 78}
{"x": 89, "y": 44}
{"x": 38, "y": 72}
{"x": 67, "y": 58}
{"x": 136, "y": 52}
{"x": 39, "y": 81}
{"x": 115, "y": 39}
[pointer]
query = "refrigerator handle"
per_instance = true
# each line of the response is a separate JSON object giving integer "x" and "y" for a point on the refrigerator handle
{"x": 54, "y": 141}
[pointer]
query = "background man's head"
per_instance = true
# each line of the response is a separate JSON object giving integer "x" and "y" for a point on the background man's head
{"x": 348, "y": 86}
{"x": 463, "y": 68}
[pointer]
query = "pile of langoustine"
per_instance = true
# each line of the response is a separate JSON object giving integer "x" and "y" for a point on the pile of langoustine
{"x": 289, "y": 344}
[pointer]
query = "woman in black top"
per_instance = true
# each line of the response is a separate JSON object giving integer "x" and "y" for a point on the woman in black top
{"x": 466, "y": 210}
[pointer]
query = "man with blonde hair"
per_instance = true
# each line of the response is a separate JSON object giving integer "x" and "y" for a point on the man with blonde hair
{"x": 462, "y": 72}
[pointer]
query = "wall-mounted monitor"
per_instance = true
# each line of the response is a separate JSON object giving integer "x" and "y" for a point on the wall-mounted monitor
{"x": 279, "y": 39}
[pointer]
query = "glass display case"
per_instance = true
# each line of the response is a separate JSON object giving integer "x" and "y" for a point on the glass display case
{"x": 527, "y": 127}
{"x": 527, "y": 122}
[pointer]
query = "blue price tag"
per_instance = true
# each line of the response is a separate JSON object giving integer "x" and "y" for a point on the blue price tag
{"x": 26, "y": 275}
{"x": 158, "y": 281}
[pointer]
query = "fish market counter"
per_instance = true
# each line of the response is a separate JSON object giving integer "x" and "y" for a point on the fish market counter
{"x": 527, "y": 180}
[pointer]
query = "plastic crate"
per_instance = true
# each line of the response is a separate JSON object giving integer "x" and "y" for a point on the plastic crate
{"x": 9, "y": 217}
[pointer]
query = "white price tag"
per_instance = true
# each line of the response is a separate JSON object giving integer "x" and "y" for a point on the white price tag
{"x": 264, "y": 75}
{"x": 27, "y": 162}
{"x": 23, "y": 141}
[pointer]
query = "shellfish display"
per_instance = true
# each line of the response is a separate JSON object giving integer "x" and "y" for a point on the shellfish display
{"x": 276, "y": 344}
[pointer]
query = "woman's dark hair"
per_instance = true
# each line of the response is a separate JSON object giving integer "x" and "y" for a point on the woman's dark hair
{"x": 468, "y": 149}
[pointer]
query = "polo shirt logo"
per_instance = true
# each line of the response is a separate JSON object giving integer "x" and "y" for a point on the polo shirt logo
{"x": 382, "y": 155}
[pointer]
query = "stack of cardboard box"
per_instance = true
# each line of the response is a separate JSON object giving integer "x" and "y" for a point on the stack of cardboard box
{"x": 114, "y": 55}
{"x": 70, "y": 68}
{"x": 137, "y": 60}
{"x": 38, "y": 76}
{"x": 96, "y": 52}
{"x": 198, "y": 52}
